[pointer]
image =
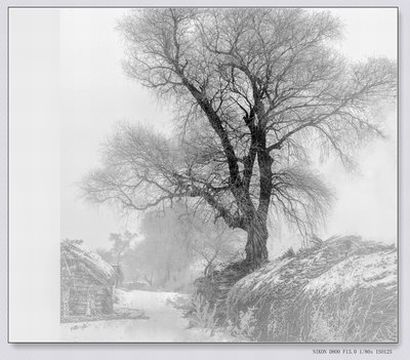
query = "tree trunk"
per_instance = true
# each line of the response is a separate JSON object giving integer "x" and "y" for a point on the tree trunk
{"x": 256, "y": 250}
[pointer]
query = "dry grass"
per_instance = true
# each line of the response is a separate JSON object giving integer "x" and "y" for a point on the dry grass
{"x": 244, "y": 328}
{"x": 202, "y": 314}
{"x": 362, "y": 315}
{"x": 215, "y": 287}
{"x": 345, "y": 291}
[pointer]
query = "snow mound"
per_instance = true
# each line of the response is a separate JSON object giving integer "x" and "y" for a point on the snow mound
{"x": 367, "y": 271}
{"x": 343, "y": 291}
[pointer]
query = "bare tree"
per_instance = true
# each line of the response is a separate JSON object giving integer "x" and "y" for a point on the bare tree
{"x": 258, "y": 90}
{"x": 166, "y": 252}
{"x": 121, "y": 243}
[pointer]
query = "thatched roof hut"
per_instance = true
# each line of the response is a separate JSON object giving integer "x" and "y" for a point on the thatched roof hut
{"x": 99, "y": 269}
{"x": 87, "y": 281}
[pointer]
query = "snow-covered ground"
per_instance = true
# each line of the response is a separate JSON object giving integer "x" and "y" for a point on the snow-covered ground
{"x": 164, "y": 322}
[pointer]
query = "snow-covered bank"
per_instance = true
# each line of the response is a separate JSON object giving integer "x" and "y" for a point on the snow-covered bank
{"x": 342, "y": 291}
{"x": 164, "y": 323}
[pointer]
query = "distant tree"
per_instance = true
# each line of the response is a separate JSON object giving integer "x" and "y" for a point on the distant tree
{"x": 121, "y": 243}
{"x": 257, "y": 90}
{"x": 177, "y": 244}
{"x": 120, "y": 255}
{"x": 166, "y": 251}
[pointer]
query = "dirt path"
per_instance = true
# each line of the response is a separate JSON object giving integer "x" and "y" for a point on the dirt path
{"x": 164, "y": 324}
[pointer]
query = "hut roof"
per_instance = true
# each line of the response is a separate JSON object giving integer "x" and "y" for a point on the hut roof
{"x": 100, "y": 270}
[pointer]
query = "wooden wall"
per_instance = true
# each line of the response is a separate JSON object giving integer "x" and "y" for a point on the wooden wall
{"x": 82, "y": 294}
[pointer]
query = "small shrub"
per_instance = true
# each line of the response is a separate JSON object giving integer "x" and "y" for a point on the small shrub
{"x": 201, "y": 314}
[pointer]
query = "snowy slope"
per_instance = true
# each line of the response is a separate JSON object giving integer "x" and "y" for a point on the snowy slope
{"x": 342, "y": 291}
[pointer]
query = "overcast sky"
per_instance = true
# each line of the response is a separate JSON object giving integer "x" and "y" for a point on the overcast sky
{"x": 95, "y": 94}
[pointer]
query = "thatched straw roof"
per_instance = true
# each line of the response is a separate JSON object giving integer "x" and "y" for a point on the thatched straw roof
{"x": 74, "y": 253}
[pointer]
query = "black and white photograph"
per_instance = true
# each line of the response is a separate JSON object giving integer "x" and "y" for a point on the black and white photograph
{"x": 218, "y": 175}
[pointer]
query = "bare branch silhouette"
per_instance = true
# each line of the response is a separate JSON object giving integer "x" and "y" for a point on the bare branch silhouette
{"x": 261, "y": 89}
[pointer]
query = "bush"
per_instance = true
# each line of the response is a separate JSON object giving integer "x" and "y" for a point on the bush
{"x": 201, "y": 314}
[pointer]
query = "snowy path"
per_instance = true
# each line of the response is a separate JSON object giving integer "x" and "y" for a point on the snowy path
{"x": 165, "y": 323}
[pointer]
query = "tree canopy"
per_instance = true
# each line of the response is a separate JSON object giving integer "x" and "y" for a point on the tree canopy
{"x": 258, "y": 90}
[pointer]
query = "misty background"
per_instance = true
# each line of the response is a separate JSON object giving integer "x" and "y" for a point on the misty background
{"x": 95, "y": 95}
